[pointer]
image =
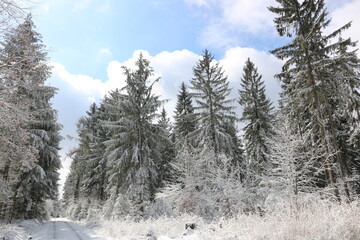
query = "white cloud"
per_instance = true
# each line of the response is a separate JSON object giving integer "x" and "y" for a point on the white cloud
{"x": 228, "y": 21}
{"x": 267, "y": 64}
{"x": 82, "y": 83}
{"x": 104, "y": 52}
{"x": 252, "y": 16}
{"x": 344, "y": 14}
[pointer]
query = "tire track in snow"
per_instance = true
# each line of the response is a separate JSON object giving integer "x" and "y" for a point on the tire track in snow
{"x": 58, "y": 235}
{"x": 72, "y": 228}
{"x": 54, "y": 230}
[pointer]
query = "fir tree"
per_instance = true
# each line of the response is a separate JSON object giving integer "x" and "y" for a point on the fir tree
{"x": 24, "y": 59}
{"x": 184, "y": 115}
{"x": 311, "y": 78}
{"x": 133, "y": 153}
{"x": 211, "y": 91}
{"x": 95, "y": 181}
{"x": 166, "y": 149}
{"x": 257, "y": 116}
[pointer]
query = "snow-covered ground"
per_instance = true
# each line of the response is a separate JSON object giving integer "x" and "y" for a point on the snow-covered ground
{"x": 311, "y": 220}
{"x": 55, "y": 229}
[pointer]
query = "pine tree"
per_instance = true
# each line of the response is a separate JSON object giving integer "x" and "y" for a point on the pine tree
{"x": 311, "y": 78}
{"x": 257, "y": 114}
{"x": 133, "y": 154}
{"x": 211, "y": 91}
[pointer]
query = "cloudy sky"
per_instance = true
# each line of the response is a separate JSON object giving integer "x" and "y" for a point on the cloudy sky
{"x": 89, "y": 41}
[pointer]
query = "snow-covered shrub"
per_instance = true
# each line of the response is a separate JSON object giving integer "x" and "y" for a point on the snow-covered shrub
{"x": 204, "y": 188}
{"x": 307, "y": 217}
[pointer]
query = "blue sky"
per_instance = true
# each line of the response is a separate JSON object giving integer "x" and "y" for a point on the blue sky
{"x": 89, "y": 41}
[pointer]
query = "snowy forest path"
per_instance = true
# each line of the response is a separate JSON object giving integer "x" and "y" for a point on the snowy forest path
{"x": 63, "y": 229}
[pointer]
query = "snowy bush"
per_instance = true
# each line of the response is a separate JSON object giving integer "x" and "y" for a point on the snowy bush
{"x": 204, "y": 188}
{"x": 307, "y": 217}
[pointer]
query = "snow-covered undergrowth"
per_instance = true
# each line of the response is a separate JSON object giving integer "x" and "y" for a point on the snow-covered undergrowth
{"x": 18, "y": 230}
{"x": 306, "y": 220}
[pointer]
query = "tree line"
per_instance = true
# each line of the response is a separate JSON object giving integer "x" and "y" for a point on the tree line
{"x": 132, "y": 161}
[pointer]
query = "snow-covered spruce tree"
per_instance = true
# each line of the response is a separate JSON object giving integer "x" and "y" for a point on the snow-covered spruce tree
{"x": 237, "y": 163}
{"x": 86, "y": 182}
{"x": 16, "y": 153}
{"x": 311, "y": 78}
{"x": 167, "y": 151}
{"x": 133, "y": 152}
{"x": 72, "y": 186}
{"x": 257, "y": 114}
{"x": 347, "y": 117}
{"x": 24, "y": 59}
{"x": 94, "y": 181}
{"x": 184, "y": 116}
{"x": 205, "y": 185}
{"x": 213, "y": 107}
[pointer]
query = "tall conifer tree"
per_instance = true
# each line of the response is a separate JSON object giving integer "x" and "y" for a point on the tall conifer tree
{"x": 257, "y": 114}
{"x": 211, "y": 91}
{"x": 134, "y": 152}
{"x": 24, "y": 59}
{"x": 311, "y": 78}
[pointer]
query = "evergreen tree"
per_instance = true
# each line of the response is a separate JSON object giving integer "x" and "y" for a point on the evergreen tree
{"x": 258, "y": 118}
{"x": 211, "y": 91}
{"x": 24, "y": 57}
{"x": 311, "y": 78}
{"x": 93, "y": 153}
{"x": 166, "y": 149}
{"x": 184, "y": 115}
{"x": 86, "y": 181}
{"x": 237, "y": 163}
{"x": 133, "y": 152}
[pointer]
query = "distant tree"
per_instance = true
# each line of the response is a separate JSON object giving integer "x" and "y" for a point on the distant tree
{"x": 166, "y": 149}
{"x": 184, "y": 115}
{"x": 257, "y": 114}
{"x": 236, "y": 154}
